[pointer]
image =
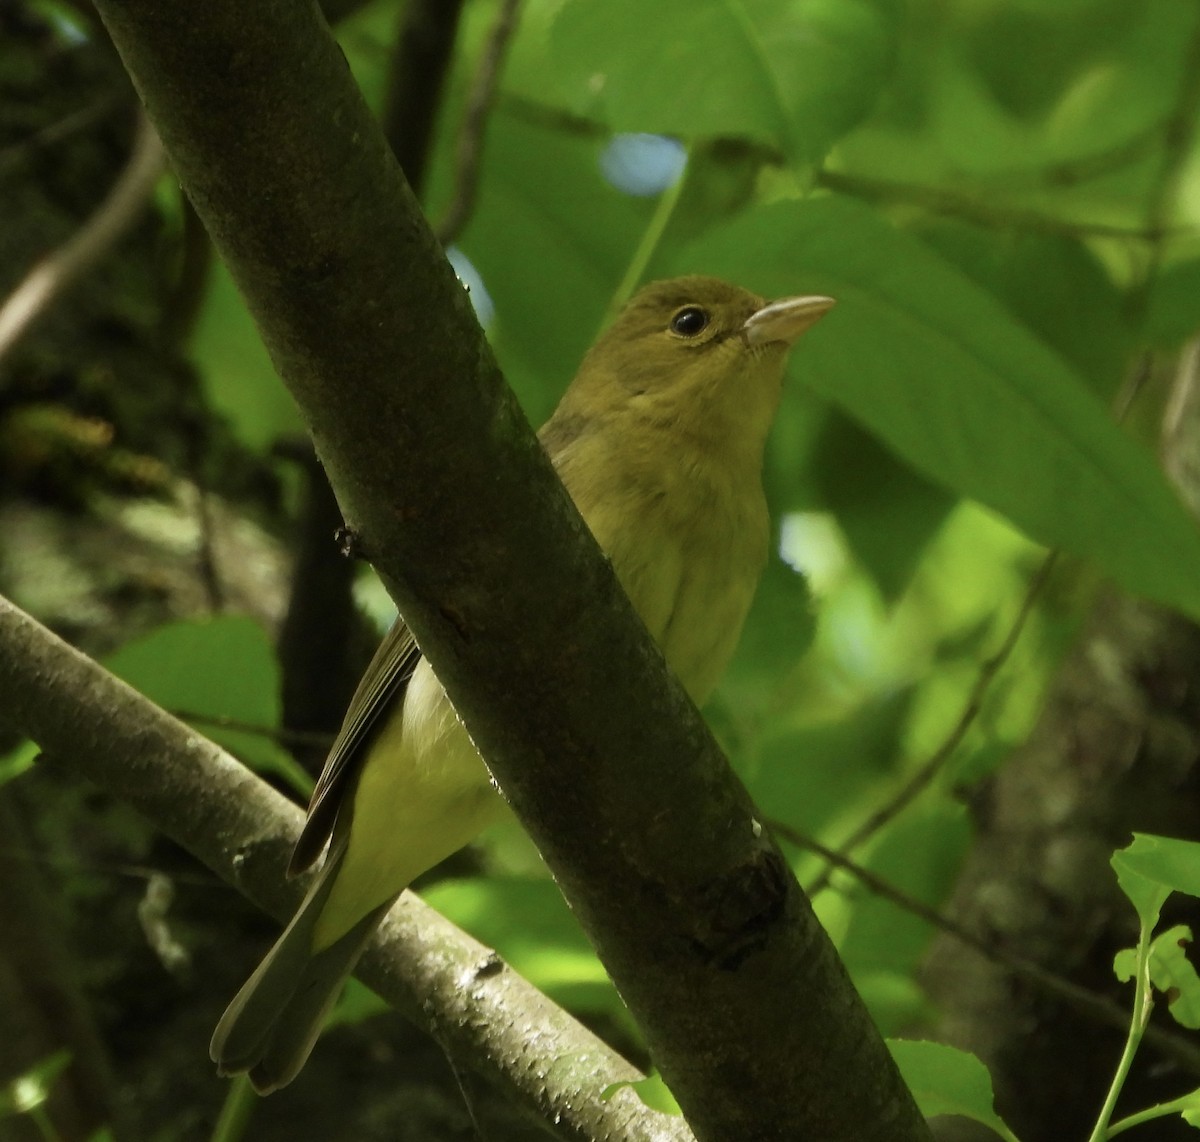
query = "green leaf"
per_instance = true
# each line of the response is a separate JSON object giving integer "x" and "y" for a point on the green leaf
{"x": 238, "y": 376}
{"x": 1056, "y": 286}
{"x": 1091, "y": 75}
{"x": 778, "y": 630}
{"x": 939, "y": 371}
{"x": 945, "y": 1080}
{"x": 1173, "y": 311}
{"x": 887, "y": 511}
{"x": 1172, "y": 973}
{"x": 213, "y": 672}
{"x": 794, "y": 76}
{"x": 1125, "y": 964}
{"x": 805, "y": 776}
{"x": 1150, "y": 868}
{"x": 920, "y": 854}
{"x": 1170, "y": 863}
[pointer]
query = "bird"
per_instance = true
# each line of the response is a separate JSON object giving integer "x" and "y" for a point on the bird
{"x": 660, "y": 442}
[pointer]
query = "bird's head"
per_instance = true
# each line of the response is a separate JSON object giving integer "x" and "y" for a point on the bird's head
{"x": 696, "y": 355}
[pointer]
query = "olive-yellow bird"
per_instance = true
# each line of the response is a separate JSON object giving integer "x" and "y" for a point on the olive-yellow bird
{"x": 659, "y": 440}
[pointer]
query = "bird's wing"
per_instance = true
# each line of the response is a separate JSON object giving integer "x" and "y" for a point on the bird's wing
{"x": 381, "y": 688}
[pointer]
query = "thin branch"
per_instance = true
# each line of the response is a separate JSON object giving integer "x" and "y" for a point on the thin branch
{"x": 319, "y": 640}
{"x": 481, "y": 1011}
{"x": 78, "y": 120}
{"x": 922, "y": 778}
{"x": 207, "y": 569}
{"x": 187, "y": 293}
{"x": 58, "y": 271}
{"x": 939, "y": 200}
{"x": 470, "y": 140}
{"x": 553, "y": 118}
{"x": 314, "y": 739}
{"x": 1089, "y": 1003}
{"x": 416, "y": 75}
{"x": 1071, "y": 172}
{"x": 650, "y": 241}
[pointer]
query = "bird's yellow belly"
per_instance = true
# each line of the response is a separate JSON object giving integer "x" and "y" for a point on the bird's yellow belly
{"x": 424, "y": 792}
{"x": 692, "y": 588}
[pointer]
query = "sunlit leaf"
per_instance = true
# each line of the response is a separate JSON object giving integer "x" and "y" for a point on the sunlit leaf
{"x": 945, "y": 1080}
{"x": 795, "y": 76}
{"x": 219, "y": 674}
{"x": 1150, "y": 868}
{"x": 941, "y": 373}
{"x": 526, "y": 920}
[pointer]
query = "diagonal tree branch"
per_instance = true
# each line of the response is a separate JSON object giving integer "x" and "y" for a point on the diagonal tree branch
{"x": 482, "y": 1012}
{"x": 743, "y": 1001}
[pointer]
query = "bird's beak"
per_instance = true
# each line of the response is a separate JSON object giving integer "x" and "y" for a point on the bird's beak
{"x": 784, "y": 320}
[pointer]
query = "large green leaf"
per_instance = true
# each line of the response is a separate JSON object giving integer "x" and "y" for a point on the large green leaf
{"x": 795, "y": 75}
{"x": 939, "y": 371}
{"x": 945, "y": 1080}
{"x": 220, "y": 674}
{"x": 887, "y": 511}
{"x": 805, "y": 775}
{"x": 1056, "y": 286}
{"x": 1096, "y": 74}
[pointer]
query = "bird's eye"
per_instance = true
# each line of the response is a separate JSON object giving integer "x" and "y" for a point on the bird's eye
{"x": 690, "y": 321}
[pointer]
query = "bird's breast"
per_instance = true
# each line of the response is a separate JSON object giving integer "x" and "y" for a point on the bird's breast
{"x": 688, "y": 543}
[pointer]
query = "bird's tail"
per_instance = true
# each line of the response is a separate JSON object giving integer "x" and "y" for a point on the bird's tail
{"x": 271, "y": 1025}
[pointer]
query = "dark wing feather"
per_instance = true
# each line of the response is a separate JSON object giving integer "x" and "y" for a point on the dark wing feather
{"x": 382, "y": 686}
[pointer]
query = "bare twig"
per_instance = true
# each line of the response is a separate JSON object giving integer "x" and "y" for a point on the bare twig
{"x": 416, "y": 75}
{"x": 78, "y": 120}
{"x": 186, "y": 295}
{"x": 1089, "y": 1003}
{"x": 920, "y": 780}
{"x": 939, "y": 200}
{"x": 1070, "y": 172}
{"x": 553, "y": 118}
{"x": 206, "y": 556}
{"x": 312, "y": 738}
{"x": 58, "y": 271}
{"x": 470, "y": 140}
